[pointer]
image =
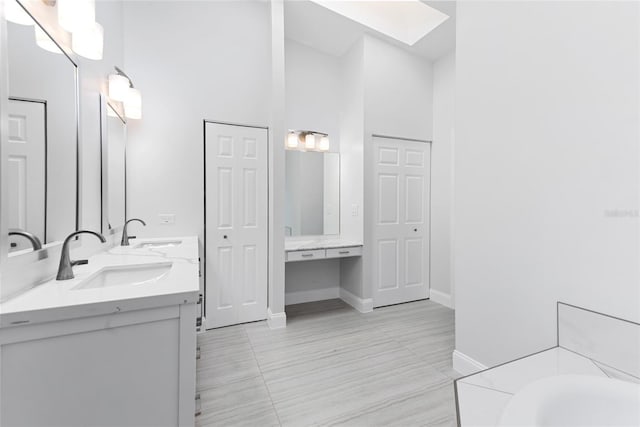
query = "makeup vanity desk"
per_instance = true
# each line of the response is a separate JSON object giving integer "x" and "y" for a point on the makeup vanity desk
{"x": 336, "y": 272}
{"x": 309, "y": 250}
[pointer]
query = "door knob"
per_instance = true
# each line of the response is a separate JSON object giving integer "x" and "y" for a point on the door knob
{"x": 415, "y": 229}
{"x": 225, "y": 236}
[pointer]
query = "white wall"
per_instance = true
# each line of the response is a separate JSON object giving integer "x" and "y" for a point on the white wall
{"x": 444, "y": 75}
{"x": 196, "y": 61}
{"x": 547, "y": 131}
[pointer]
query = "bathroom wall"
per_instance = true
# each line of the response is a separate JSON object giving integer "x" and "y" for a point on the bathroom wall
{"x": 398, "y": 101}
{"x": 546, "y": 170}
{"x": 313, "y": 101}
{"x": 196, "y": 60}
{"x": 92, "y": 81}
{"x": 444, "y": 75}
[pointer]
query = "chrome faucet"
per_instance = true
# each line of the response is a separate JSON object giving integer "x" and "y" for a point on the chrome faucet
{"x": 65, "y": 270}
{"x": 35, "y": 242}
{"x": 125, "y": 236}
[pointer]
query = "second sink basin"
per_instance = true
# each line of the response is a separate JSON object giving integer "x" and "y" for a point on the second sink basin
{"x": 155, "y": 245}
{"x": 125, "y": 275}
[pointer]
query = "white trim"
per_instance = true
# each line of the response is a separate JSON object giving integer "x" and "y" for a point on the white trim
{"x": 312, "y": 295}
{"x": 441, "y": 298}
{"x": 361, "y": 304}
{"x": 276, "y": 320}
{"x": 466, "y": 365}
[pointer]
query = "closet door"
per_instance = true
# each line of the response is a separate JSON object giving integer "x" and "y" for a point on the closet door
{"x": 401, "y": 220}
{"x": 235, "y": 224}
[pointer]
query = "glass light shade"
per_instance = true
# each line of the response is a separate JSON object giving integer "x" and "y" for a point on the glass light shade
{"x": 16, "y": 14}
{"x": 88, "y": 41}
{"x": 118, "y": 87}
{"x": 324, "y": 143}
{"x": 310, "y": 141}
{"x": 73, "y": 15}
{"x": 44, "y": 41}
{"x": 111, "y": 112}
{"x": 133, "y": 104}
{"x": 292, "y": 140}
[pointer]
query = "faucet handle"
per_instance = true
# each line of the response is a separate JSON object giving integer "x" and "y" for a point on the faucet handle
{"x": 132, "y": 237}
{"x": 80, "y": 262}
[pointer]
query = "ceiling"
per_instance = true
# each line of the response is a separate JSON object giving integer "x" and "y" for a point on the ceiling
{"x": 319, "y": 28}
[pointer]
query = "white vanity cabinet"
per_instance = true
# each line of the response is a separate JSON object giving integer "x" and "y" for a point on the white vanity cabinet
{"x": 117, "y": 362}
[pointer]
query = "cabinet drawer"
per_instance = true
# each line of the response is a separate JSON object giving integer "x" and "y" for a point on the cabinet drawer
{"x": 305, "y": 255}
{"x": 344, "y": 252}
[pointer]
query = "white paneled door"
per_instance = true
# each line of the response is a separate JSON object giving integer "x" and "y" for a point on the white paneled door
{"x": 26, "y": 155}
{"x": 401, "y": 220}
{"x": 235, "y": 224}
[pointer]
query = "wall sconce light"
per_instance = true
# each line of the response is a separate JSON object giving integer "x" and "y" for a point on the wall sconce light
{"x": 88, "y": 41}
{"x": 44, "y": 41}
{"x": 121, "y": 89}
{"x": 16, "y": 14}
{"x": 74, "y": 15}
{"x": 305, "y": 140}
{"x": 292, "y": 140}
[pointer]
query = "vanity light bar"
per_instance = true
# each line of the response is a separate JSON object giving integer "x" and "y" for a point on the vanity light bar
{"x": 306, "y": 140}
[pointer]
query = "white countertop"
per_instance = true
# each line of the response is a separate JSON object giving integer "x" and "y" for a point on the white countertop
{"x": 57, "y": 300}
{"x": 297, "y": 244}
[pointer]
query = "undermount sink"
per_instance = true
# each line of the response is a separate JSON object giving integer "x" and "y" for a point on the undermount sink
{"x": 125, "y": 275}
{"x": 158, "y": 244}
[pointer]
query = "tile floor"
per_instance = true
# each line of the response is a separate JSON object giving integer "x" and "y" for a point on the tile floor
{"x": 331, "y": 366}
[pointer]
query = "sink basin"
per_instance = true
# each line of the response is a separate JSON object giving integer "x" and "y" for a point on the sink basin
{"x": 128, "y": 275}
{"x": 158, "y": 244}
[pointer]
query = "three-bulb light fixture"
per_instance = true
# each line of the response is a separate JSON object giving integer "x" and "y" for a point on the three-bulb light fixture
{"x": 121, "y": 90}
{"x": 305, "y": 140}
{"x": 78, "y": 17}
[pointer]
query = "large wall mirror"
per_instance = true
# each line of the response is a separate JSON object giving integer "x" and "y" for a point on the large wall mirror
{"x": 42, "y": 152}
{"x": 312, "y": 193}
{"x": 114, "y": 136}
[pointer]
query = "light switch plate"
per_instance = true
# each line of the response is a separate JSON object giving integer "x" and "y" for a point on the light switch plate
{"x": 167, "y": 219}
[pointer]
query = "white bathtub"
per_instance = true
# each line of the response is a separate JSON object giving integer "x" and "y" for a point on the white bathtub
{"x": 574, "y": 400}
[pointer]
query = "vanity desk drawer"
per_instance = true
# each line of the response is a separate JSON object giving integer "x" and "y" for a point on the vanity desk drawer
{"x": 305, "y": 255}
{"x": 344, "y": 252}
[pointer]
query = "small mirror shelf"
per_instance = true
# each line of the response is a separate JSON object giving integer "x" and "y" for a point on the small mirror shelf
{"x": 312, "y": 193}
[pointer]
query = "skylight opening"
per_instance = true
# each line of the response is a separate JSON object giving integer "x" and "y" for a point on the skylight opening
{"x": 407, "y": 21}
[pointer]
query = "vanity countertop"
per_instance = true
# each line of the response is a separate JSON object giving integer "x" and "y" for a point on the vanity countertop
{"x": 57, "y": 300}
{"x": 309, "y": 244}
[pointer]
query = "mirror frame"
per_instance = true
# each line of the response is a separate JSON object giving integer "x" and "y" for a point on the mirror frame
{"x": 32, "y": 256}
{"x": 104, "y": 166}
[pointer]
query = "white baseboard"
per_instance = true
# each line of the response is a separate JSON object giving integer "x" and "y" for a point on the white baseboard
{"x": 441, "y": 298}
{"x": 276, "y": 320}
{"x": 312, "y": 295}
{"x": 466, "y": 365}
{"x": 361, "y": 304}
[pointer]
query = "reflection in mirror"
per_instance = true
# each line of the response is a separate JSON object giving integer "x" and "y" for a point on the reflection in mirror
{"x": 42, "y": 138}
{"x": 114, "y": 134}
{"x": 312, "y": 193}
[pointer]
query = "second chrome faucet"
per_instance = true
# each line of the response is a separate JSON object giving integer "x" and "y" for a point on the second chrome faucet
{"x": 125, "y": 236}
